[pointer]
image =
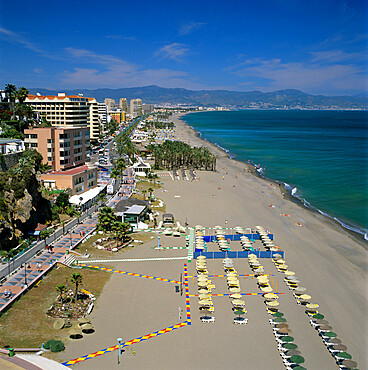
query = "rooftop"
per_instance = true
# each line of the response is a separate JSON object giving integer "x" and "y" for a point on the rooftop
{"x": 72, "y": 171}
{"x": 125, "y": 204}
{"x": 52, "y": 97}
{"x": 135, "y": 210}
{"x": 9, "y": 140}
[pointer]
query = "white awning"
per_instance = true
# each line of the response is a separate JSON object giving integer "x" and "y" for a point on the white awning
{"x": 87, "y": 196}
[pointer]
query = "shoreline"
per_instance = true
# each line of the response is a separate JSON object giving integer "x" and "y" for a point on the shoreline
{"x": 347, "y": 226}
{"x": 328, "y": 263}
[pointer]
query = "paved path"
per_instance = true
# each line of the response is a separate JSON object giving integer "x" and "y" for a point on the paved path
{"x": 39, "y": 266}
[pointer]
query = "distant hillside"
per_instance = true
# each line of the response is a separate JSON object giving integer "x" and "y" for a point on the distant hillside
{"x": 256, "y": 99}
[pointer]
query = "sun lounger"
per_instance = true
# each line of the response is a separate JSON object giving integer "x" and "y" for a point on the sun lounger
{"x": 209, "y": 319}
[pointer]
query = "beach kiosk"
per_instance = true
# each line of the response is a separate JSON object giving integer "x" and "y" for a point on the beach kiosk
{"x": 168, "y": 218}
{"x": 132, "y": 211}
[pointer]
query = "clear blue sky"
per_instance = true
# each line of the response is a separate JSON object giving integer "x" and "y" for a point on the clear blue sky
{"x": 317, "y": 46}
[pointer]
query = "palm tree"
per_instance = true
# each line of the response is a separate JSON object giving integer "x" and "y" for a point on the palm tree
{"x": 102, "y": 197}
{"x": 150, "y": 190}
{"x": 125, "y": 228}
{"x": 10, "y": 91}
{"x": 76, "y": 279}
{"x": 61, "y": 288}
{"x": 21, "y": 94}
{"x": 120, "y": 229}
{"x": 106, "y": 218}
{"x": 144, "y": 194}
{"x": 120, "y": 166}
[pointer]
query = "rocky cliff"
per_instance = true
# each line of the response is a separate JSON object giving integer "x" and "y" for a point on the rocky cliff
{"x": 21, "y": 203}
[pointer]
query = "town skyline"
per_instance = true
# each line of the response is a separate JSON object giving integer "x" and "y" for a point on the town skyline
{"x": 318, "y": 48}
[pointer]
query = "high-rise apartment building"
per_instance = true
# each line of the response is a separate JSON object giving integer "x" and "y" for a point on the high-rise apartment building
{"x": 67, "y": 111}
{"x": 110, "y": 103}
{"x": 60, "y": 147}
{"x": 62, "y": 110}
{"x": 136, "y": 107}
{"x": 147, "y": 108}
{"x": 123, "y": 104}
{"x": 93, "y": 119}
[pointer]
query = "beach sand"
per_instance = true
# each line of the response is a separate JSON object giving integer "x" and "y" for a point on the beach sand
{"x": 328, "y": 261}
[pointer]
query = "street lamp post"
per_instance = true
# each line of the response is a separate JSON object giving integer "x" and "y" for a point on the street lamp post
{"x": 25, "y": 274}
{"x": 80, "y": 207}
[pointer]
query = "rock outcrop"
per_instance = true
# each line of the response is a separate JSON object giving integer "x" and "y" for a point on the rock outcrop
{"x": 22, "y": 206}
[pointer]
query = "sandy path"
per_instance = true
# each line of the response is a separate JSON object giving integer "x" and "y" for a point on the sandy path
{"x": 327, "y": 260}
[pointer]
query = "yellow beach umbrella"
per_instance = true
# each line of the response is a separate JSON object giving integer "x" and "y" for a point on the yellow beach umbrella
{"x": 305, "y": 297}
{"x": 238, "y": 302}
{"x": 202, "y": 278}
{"x": 204, "y": 296}
{"x": 262, "y": 277}
{"x": 235, "y": 296}
{"x": 282, "y": 267}
{"x": 235, "y": 290}
{"x": 203, "y": 291}
{"x": 267, "y": 289}
{"x": 271, "y": 296}
{"x": 202, "y": 284}
{"x": 280, "y": 262}
{"x": 232, "y": 277}
{"x": 205, "y": 302}
{"x": 201, "y": 257}
{"x": 312, "y": 306}
{"x": 272, "y": 303}
{"x": 289, "y": 273}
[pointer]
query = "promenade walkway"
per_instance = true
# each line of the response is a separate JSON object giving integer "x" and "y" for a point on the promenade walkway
{"x": 24, "y": 278}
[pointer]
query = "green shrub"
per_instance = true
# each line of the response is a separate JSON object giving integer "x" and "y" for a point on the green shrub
{"x": 48, "y": 343}
{"x": 57, "y": 346}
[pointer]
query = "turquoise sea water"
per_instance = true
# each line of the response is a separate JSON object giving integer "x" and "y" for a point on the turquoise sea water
{"x": 320, "y": 155}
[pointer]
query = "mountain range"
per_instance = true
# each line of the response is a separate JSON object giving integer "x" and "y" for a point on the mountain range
{"x": 286, "y": 99}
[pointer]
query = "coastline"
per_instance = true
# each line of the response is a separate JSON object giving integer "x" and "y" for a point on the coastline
{"x": 349, "y": 227}
{"x": 329, "y": 263}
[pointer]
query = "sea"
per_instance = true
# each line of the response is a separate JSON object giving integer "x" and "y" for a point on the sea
{"x": 320, "y": 156}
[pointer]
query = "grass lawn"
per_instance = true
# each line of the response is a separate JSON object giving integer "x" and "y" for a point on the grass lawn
{"x": 26, "y": 324}
{"x": 103, "y": 254}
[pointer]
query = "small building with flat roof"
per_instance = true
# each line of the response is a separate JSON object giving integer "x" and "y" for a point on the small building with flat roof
{"x": 132, "y": 210}
{"x": 168, "y": 218}
{"x": 9, "y": 145}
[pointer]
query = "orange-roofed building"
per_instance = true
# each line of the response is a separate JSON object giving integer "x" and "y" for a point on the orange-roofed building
{"x": 67, "y": 110}
{"x": 79, "y": 179}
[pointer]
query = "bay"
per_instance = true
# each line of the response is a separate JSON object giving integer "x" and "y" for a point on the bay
{"x": 320, "y": 155}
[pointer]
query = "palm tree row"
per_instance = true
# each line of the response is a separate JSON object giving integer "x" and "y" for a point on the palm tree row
{"x": 176, "y": 154}
{"x": 125, "y": 145}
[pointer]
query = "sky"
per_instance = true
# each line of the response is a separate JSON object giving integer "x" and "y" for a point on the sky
{"x": 319, "y": 47}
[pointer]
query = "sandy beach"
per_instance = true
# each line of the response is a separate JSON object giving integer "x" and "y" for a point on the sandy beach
{"x": 329, "y": 262}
